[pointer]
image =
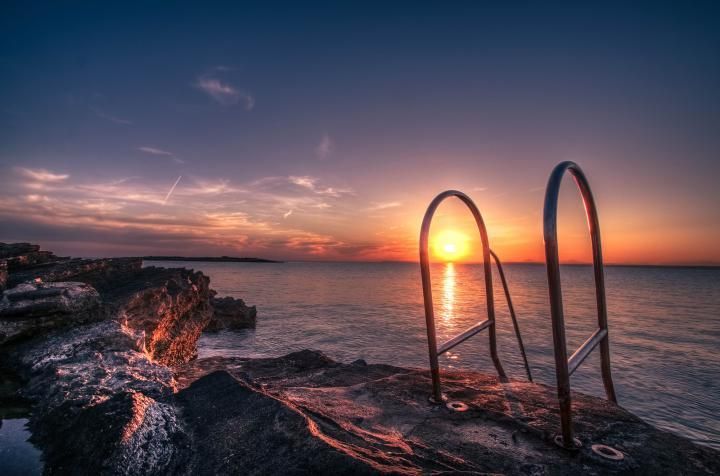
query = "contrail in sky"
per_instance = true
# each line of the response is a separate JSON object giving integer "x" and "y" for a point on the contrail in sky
{"x": 172, "y": 189}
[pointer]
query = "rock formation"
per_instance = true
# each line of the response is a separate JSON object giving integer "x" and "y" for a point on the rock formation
{"x": 231, "y": 313}
{"x": 31, "y": 308}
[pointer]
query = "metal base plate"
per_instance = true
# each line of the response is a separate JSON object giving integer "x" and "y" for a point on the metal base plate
{"x": 457, "y": 406}
{"x": 608, "y": 452}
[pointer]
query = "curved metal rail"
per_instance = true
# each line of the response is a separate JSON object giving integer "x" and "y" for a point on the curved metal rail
{"x": 511, "y": 309}
{"x": 565, "y": 367}
{"x": 489, "y": 323}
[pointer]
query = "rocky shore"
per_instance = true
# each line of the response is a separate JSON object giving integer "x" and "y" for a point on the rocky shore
{"x": 104, "y": 353}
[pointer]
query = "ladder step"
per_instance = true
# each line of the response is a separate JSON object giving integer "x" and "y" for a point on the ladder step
{"x": 464, "y": 336}
{"x": 584, "y": 350}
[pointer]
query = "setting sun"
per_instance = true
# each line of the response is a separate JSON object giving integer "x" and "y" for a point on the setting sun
{"x": 450, "y": 245}
{"x": 450, "y": 248}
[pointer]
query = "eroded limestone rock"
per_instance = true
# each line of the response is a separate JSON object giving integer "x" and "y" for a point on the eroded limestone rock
{"x": 33, "y": 308}
{"x": 172, "y": 307}
{"x": 100, "y": 402}
{"x": 231, "y": 313}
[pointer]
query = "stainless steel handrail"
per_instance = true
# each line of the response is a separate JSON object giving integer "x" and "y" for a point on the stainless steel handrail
{"x": 433, "y": 349}
{"x": 565, "y": 367}
{"x": 511, "y": 309}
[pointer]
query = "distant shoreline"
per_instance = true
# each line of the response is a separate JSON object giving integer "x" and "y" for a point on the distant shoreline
{"x": 230, "y": 259}
{"x": 212, "y": 259}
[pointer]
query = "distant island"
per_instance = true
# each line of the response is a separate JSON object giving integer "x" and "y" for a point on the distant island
{"x": 215, "y": 259}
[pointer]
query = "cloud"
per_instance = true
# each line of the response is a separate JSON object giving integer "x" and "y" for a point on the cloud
{"x": 479, "y": 189}
{"x": 172, "y": 189}
{"x": 42, "y": 175}
{"x": 160, "y": 152}
{"x": 385, "y": 205}
{"x": 141, "y": 215}
{"x": 310, "y": 183}
{"x": 212, "y": 187}
{"x": 304, "y": 181}
{"x": 224, "y": 93}
{"x": 325, "y": 148}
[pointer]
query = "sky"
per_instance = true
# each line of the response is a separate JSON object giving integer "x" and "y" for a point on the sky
{"x": 321, "y": 131}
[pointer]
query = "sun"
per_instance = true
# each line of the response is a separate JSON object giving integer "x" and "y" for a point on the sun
{"x": 450, "y": 248}
{"x": 450, "y": 245}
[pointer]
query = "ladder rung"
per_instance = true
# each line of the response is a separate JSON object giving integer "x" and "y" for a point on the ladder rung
{"x": 464, "y": 336}
{"x": 585, "y": 349}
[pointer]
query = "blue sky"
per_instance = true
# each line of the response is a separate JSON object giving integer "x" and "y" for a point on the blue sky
{"x": 321, "y": 131}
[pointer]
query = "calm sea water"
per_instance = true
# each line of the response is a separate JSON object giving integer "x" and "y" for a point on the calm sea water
{"x": 664, "y": 325}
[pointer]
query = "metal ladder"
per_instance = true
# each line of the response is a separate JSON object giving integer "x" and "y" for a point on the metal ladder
{"x": 489, "y": 323}
{"x": 564, "y": 367}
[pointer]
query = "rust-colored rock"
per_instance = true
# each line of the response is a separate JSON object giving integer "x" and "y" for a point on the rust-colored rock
{"x": 170, "y": 306}
{"x": 172, "y": 309}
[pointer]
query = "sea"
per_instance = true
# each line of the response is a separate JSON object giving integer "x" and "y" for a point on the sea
{"x": 664, "y": 325}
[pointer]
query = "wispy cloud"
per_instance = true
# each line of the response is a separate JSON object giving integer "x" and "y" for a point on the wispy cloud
{"x": 172, "y": 189}
{"x": 42, "y": 175}
{"x": 479, "y": 189}
{"x": 160, "y": 152}
{"x": 325, "y": 148}
{"x": 310, "y": 183}
{"x": 304, "y": 181}
{"x": 385, "y": 205}
{"x": 223, "y": 92}
{"x": 142, "y": 215}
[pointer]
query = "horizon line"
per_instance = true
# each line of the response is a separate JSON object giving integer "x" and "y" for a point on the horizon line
{"x": 534, "y": 263}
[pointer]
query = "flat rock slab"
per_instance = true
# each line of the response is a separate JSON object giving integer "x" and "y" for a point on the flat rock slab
{"x": 31, "y": 309}
{"x": 380, "y": 416}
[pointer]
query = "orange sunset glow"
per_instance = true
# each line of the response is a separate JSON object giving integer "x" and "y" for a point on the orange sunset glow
{"x": 209, "y": 155}
{"x": 359, "y": 237}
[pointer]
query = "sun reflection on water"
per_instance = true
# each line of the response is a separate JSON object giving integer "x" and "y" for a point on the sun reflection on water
{"x": 448, "y": 300}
